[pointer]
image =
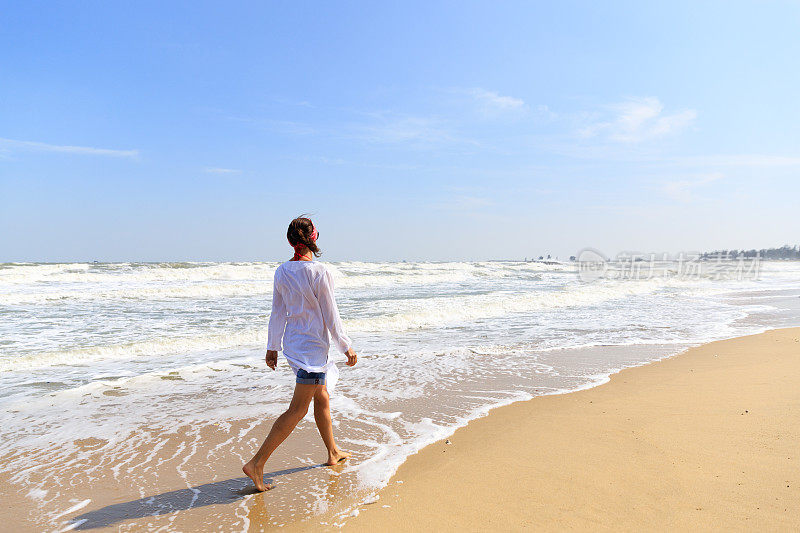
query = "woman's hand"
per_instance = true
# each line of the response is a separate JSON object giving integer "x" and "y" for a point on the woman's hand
{"x": 352, "y": 358}
{"x": 272, "y": 359}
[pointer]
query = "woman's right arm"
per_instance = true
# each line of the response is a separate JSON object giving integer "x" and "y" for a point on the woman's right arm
{"x": 330, "y": 313}
{"x": 277, "y": 325}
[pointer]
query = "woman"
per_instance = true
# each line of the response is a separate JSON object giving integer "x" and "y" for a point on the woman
{"x": 303, "y": 313}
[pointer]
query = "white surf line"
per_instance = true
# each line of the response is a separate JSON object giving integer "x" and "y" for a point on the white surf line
{"x": 244, "y": 517}
{"x": 121, "y": 463}
{"x": 179, "y": 449}
{"x": 150, "y": 456}
{"x": 21, "y": 476}
{"x": 73, "y": 525}
{"x": 235, "y": 438}
{"x": 195, "y": 435}
{"x": 74, "y": 508}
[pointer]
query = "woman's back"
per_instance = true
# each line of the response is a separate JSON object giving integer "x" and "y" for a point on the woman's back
{"x": 303, "y": 311}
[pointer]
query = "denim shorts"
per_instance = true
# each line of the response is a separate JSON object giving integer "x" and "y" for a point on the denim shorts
{"x": 310, "y": 378}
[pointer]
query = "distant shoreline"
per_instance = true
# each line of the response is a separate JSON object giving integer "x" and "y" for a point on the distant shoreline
{"x": 547, "y": 262}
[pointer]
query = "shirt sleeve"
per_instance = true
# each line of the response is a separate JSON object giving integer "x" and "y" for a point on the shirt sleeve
{"x": 277, "y": 320}
{"x": 330, "y": 312}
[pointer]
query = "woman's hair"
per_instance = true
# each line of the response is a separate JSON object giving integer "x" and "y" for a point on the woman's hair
{"x": 299, "y": 232}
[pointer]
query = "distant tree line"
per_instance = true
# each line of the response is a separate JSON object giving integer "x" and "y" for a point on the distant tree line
{"x": 784, "y": 252}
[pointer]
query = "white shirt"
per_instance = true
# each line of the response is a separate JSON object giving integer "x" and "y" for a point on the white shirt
{"x": 303, "y": 312}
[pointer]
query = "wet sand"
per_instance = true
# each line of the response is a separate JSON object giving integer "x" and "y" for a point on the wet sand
{"x": 192, "y": 482}
{"x": 706, "y": 440}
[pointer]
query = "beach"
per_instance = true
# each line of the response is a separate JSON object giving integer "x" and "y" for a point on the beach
{"x": 706, "y": 440}
{"x": 132, "y": 393}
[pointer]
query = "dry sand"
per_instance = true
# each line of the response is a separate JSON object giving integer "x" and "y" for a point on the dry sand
{"x": 709, "y": 439}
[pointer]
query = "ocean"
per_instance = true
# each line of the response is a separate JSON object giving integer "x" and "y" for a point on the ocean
{"x": 98, "y": 362}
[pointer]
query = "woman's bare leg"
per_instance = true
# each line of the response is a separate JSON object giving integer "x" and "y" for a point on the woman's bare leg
{"x": 322, "y": 416}
{"x": 281, "y": 429}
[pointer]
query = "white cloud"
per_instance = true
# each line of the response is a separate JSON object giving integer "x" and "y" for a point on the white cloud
{"x": 67, "y": 149}
{"x": 289, "y": 127}
{"x": 684, "y": 190}
{"x": 464, "y": 203}
{"x": 389, "y": 128}
{"x": 492, "y": 102}
{"x": 741, "y": 160}
{"x": 219, "y": 170}
{"x": 639, "y": 119}
{"x": 545, "y": 112}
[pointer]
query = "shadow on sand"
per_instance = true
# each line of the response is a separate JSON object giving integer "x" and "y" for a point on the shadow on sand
{"x": 226, "y": 491}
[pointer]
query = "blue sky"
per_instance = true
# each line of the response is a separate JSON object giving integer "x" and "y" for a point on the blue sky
{"x": 429, "y": 130}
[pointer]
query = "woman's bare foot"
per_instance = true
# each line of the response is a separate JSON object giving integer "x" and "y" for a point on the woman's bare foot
{"x": 337, "y": 456}
{"x": 257, "y": 475}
